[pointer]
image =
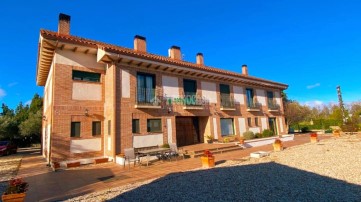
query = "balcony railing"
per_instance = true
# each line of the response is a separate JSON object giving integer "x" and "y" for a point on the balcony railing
{"x": 227, "y": 102}
{"x": 147, "y": 98}
{"x": 273, "y": 106}
{"x": 254, "y": 106}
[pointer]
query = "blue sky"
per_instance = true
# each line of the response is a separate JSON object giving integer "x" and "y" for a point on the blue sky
{"x": 311, "y": 45}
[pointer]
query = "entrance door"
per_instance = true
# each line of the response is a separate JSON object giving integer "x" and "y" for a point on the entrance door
{"x": 272, "y": 125}
{"x": 187, "y": 131}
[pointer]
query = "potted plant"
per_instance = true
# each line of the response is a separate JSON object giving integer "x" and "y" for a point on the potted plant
{"x": 207, "y": 159}
{"x": 313, "y": 137}
{"x": 16, "y": 190}
{"x": 336, "y": 133}
{"x": 241, "y": 140}
{"x": 209, "y": 139}
{"x": 277, "y": 145}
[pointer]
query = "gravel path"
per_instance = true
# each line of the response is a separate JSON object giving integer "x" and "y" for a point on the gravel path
{"x": 326, "y": 171}
{"x": 9, "y": 166}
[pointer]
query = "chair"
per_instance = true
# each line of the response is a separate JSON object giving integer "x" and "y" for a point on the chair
{"x": 130, "y": 156}
{"x": 174, "y": 152}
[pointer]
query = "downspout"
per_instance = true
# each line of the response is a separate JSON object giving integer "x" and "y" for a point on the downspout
{"x": 114, "y": 142}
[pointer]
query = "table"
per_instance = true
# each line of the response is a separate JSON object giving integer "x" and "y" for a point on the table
{"x": 148, "y": 152}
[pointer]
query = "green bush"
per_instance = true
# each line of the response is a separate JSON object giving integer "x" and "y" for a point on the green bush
{"x": 248, "y": 135}
{"x": 305, "y": 129}
{"x": 328, "y": 130}
{"x": 267, "y": 133}
{"x": 258, "y": 135}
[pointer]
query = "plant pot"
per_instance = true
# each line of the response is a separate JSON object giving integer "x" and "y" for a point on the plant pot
{"x": 13, "y": 197}
{"x": 209, "y": 141}
{"x": 314, "y": 138}
{"x": 207, "y": 162}
{"x": 336, "y": 134}
{"x": 277, "y": 147}
{"x": 241, "y": 141}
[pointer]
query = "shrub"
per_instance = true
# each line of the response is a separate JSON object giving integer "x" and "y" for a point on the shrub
{"x": 226, "y": 140}
{"x": 258, "y": 135}
{"x": 328, "y": 130}
{"x": 305, "y": 129}
{"x": 17, "y": 186}
{"x": 267, "y": 133}
{"x": 248, "y": 135}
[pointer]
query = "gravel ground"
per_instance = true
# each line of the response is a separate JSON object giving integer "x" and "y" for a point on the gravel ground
{"x": 9, "y": 166}
{"x": 326, "y": 171}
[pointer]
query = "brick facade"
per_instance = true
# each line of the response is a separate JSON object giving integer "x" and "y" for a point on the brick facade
{"x": 118, "y": 103}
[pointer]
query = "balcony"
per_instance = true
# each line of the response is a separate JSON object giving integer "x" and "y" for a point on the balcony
{"x": 227, "y": 102}
{"x": 273, "y": 106}
{"x": 147, "y": 98}
{"x": 254, "y": 106}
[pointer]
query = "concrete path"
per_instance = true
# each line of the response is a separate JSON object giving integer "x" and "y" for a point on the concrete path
{"x": 46, "y": 185}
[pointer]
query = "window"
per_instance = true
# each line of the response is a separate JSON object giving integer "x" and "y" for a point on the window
{"x": 249, "y": 121}
{"x": 227, "y": 127}
{"x": 109, "y": 127}
{"x": 224, "y": 89}
{"x": 86, "y": 76}
{"x": 250, "y": 94}
{"x": 269, "y": 96}
{"x": 225, "y": 92}
{"x": 256, "y": 121}
{"x": 75, "y": 129}
{"x": 154, "y": 125}
{"x": 189, "y": 87}
{"x": 96, "y": 128}
{"x": 135, "y": 126}
{"x": 145, "y": 88}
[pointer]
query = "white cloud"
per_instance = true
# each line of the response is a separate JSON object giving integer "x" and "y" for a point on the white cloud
{"x": 314, "y": 103}
{"x": 12, "y": 84}
{"x": 313, "y": 86}
{"x": 2, "y": 93}
{"x": 28, "y": 102}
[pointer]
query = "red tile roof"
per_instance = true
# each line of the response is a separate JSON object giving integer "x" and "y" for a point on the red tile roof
{"x": 131, "y": 52}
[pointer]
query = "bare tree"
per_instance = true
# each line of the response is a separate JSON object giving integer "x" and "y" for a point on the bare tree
{"x": 296, "y": 113}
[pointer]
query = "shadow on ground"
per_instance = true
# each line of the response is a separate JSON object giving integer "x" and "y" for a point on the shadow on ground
{"x": 260, "y": 182}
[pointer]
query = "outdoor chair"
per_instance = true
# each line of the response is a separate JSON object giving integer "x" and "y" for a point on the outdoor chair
{"x": 130, "y": 156}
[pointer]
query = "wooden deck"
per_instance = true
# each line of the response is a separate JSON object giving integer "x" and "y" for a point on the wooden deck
{"x": 197, "y": 150}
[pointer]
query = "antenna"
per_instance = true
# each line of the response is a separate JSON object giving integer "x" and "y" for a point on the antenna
{"x": 340, "y": 102}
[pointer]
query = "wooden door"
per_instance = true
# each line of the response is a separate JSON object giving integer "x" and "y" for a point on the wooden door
{"x": 187, "y": 130}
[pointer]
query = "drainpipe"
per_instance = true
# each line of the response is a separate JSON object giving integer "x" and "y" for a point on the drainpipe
{"x": 114, "y": 111}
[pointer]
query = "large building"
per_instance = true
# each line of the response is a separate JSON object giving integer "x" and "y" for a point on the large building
{"x": 100, "y": 99}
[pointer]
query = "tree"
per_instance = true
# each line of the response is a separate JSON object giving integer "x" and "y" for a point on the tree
{"x": 32, "y": 125}
{"x": 296, "y": 113}
{"x": 36, "y": 104}
{"x": 6, "y": 110}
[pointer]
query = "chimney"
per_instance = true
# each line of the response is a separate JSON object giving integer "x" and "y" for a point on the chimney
{"x": 245, "y": 70}
{"x": 175, "y": 53}
{"x": 199, "y": 59}
{"x": 64, "y": 24}
{"x": 140, "y": 43}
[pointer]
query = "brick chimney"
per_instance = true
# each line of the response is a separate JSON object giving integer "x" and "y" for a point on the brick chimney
{"x": 175, "y": 53}
{"x": 140, "y": 43}
{"x": 199, "y": 59}
{"x": 245, "y": 70}
{"x": 64, "y": 24}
